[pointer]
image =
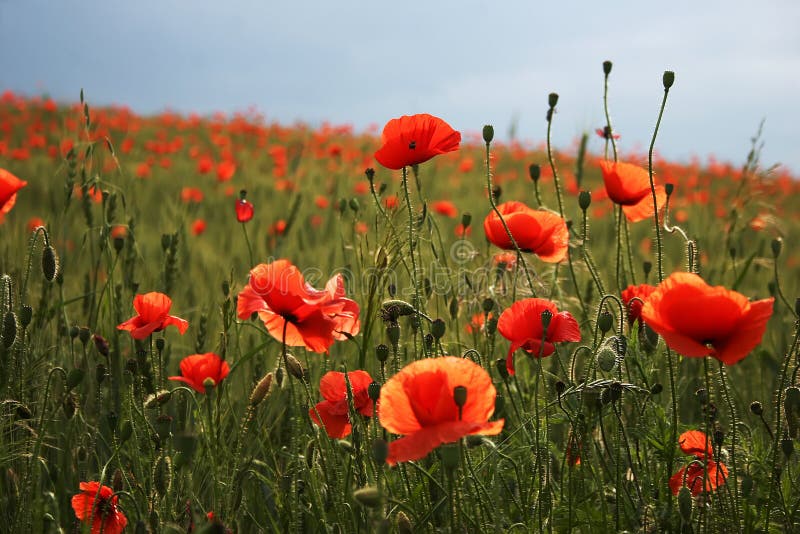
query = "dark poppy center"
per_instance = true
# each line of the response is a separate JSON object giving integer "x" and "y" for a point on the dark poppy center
{"x": 291, "y": 318}
{"x": 412, "y": 145}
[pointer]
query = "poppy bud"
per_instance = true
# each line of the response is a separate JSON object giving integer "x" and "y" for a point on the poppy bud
{"x": 370, "y": 173}
{"x": 382, "y": 188}
{"x": 380, "y": 451}
{"x": 261, "y": 390}
{"x": 160, "y": 344}
{"x": 561, "y": 387}
{"x": 466, "y": 220}
{"x": 438, "y": 328}
{"x": 374, "y": 391}
{"x": 393, "y": 333}
{"x": 757, "y": 408}
{"x": 488, "y": 133}
{"x": 605, "y": 321}
{"x": 546, "y": 317}
{"x": 9, "y": 329}
{"x": 354, "y": 205}
{"x": 84, "y": 334}
{"x": 453, "y": 308}
{"x": 119, "y": 243}
{"x": 685, "y": 504}
{"x": 73, "y": 331}
{"x": 584, "y": 200}
{"x": 404, "y": 525}
{"x": 648, "y": 339}
{"x": 295, "y": 368}
{"x": 502, "y": 370}
{"x": 49, "y": 263}
{"x": 25, "y": 316}
{"x": 368, "y": 496}
{"x": 74, "y": 378}
{"x": 342, "y": 205}
{"x": 382, "y": 352}
{"x": 668, "y": 79}
{"x": 606, "y": 360}
{"x": 162, "y": 475}
{"x": 535, "y": 172}
{"x": 656, "y": 388}
{"x": 787, "y": 446}
{"x": 776, "y": 245}
{"x": 669, "y": 188}
{"x": 647, "y": 267}
{"x": 101, "y": 344}
{"x": 496, "y": 192}
{"x": 607, "y": 67}
{"x": 552, "y": 100}
{"x": 487, "y": 305}
{"x": 100, "y": 373}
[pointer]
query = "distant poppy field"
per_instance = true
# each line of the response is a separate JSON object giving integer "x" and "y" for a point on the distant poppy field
{"x": 227, "y": 324}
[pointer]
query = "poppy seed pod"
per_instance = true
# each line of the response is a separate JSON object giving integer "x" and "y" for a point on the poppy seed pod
{"x": 460, "y": 396}
{"x": 607, "y": 67}
{"x": 500, "y": 363}
{"x": 438, "y": 328}
{"x": 757, "y": 408}
{"x": 374, "y": 391}
{"x": 382, "y": 352}
{"x": 370, "y": 173}
{"x": 669, "y": 188}
{"x": 668, "y": 79}
{"x": 466, "y": 219}
{"x": 552, "y": 100}
{"x": 546, "y": 317}
{"x": 9, "y": 329}
{"x": 488, "y": 133}
{"x": 25, "y": 316}
{"x": 776, "y": 245}
{"x": 368, "y": 496}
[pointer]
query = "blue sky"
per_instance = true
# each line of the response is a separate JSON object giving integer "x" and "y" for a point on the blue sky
{"x": 469, "y": 62}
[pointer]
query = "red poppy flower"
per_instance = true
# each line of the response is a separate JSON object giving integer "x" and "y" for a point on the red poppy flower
{"x": 195, "y": 369}
{"x": 97, "y": 505}
{"x": 462, "y": 231}
{"x": 34, "y": 223}
{"x": 541, "y": 232}
{"x": 445, "y": 207}
{"x": 198, "y": 227}
{"x": 605, "y": 133}
{"x": 391, "y": 202}
{"x": 312, "y": 318}
{"x": 634, "y": 307}
{"x": 507, "y": 259}
{"x": 629, "y": 186}
{"x": 696, "y": 319}
{"x": 191, "y": 194}
{"x": 225, "y": 170}
{"x": 418, "y": 402}
{"x": 321, "y": 202}
{"x": 521, "y": 324}
{"x": 244, "y": 209}
{"x": 415, "y": 139}
{"x": 697, "y": 444}
{"x": 153, "y": 316}
{"x": 334, "y": 409}
{"x": 477, "y": 322}
{"x": 9, "y": 185}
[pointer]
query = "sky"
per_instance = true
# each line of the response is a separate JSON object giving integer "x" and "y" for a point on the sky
{"x": 470, "y": 62}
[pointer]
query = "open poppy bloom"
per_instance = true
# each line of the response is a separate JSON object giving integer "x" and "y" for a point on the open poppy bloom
{"x": 697, "y": 444}
{"x": 419, "y": 403}
{"x": 195, "y": 369}
{"x": 97, "y": 505}
{"x": 633, "y": 297}
{"x": 153, "y": 316}
{"x": 334, "y": 409}
{"x": 283, "y": 300}
{"x": 697, "y": 320}
{"x": 629, "y": 186}
{"x": 537, "y": 231}
{"x": 414, "y": 139}
{"x": 9, "y": 185}
{"x": 521, "y": 324}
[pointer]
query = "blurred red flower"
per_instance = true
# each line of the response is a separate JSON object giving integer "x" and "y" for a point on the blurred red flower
{"x": 633, "y": 297}
{"x": 244, "y": 209}
{"x": 195, "y": 369}
{"x": 419, "y": 403}
{"x": 225, "y": 170}
{"x": 283, "y": 300}
{"x": 445, "y": 207}
{"x": 697, "y": 444}
{"x": 153, "y": 316}
{"x": 697, "y": 320}
{"x": 605, "y": 133}
{"x": 541, "y": 232}
{"x": 629, "y": 186}
{"x": 334, "y": 409}
{"x": 34, "y": 223}
{"x": 9, "y": 185}
{"x": 521, "y": 324}
{"x": 198, "y": 226}
{"x": 96, "y": 505}
{"x": 414, "y": 139}
{"x": 191, "y": 194}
